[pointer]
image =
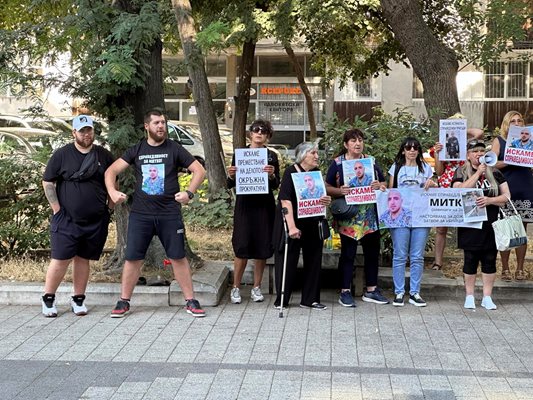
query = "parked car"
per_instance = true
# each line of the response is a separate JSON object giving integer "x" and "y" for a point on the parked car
{"x": 188, "y": 139}
{"x": 11, "y": 143}
{"x": 48, "y": 124}
{"x": 39, "y": 139}
{"x": 18, "y": 153}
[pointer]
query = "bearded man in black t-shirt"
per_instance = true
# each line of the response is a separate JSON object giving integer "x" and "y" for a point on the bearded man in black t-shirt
{"x": 74, "y": 186}
{"x": 156, "y": 212}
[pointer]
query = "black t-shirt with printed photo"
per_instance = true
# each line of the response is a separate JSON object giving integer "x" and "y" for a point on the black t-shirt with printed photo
{"x": 84, "y": 201}
{"x": 156, "y": 173}
{"x": 480, "y": 239}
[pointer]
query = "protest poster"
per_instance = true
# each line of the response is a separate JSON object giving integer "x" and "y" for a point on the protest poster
{"x": 358, "y": 175}
{"x": 250, "y": 177}
{"x": 452, "y": 136}
{"x": 471, "y": 212}
{"x": 420, "y": 208}
{"x": 309, "y": 188}
{"x": 519, "y": 147}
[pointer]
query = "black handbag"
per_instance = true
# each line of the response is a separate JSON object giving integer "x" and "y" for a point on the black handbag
{"x": 323, "y": 229}
{"x": 341, "y": 210}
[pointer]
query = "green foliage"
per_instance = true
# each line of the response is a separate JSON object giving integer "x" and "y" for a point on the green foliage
{"x": 209, "y": 210}
{"x": 384, "y": 134}
{"x": 23, "y": 207}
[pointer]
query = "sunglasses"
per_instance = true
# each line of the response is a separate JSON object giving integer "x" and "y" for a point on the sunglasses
{"x": 410, "y": 147}
{"x": 260, "y": 129}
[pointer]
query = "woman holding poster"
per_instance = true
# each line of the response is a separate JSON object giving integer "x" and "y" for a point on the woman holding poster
{"x": 520, "y": 181}
{"x": 479, "y": 246}
{"x": 361, "y": 228}
{"x": 409, "y": 171}
{"x": 253, "y": 211}
{"x": 445, "y": 171}
{"x": 303, "y": 234}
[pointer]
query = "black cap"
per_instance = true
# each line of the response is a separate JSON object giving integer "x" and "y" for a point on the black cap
{"x": 475, "y": 143}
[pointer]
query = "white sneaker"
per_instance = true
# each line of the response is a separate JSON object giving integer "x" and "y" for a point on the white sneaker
{"x": 256, "y": 294}
{"x": 488, "y": 303}
{"x": 235, "y": 295}
{"x": 77, "y": 305}
{"x": 48, "y": 302}
{"x": 470, "y": 302}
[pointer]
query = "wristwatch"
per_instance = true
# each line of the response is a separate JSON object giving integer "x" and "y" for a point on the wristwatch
{"x": 190, "y": 194}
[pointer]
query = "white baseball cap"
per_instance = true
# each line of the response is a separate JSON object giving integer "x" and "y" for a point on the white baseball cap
{"x": 81, "y": 121}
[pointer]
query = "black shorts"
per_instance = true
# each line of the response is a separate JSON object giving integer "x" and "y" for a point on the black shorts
{"x": 142, "y": 228}
{"x": 474, "y": 257}
{"x": 69, "y": 239}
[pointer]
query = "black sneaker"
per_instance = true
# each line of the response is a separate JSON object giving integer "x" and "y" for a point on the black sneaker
{"x": 346, "y": 299}
{"x": 398, "y": 300}
{"x": 77, "y": 306}
{"x": 315, "y": 306}
{"x": 121, "y": 309}
{"x": 416, "y": 300}
{"x": 48, "y": 302}
{"x": 375, "y": 296}
{"x": 193, "y": 307}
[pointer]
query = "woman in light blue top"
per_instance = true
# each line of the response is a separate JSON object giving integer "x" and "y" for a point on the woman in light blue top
{"x": 409, "y": 171}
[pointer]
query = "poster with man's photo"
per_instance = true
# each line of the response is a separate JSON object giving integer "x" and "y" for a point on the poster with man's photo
{"x": 415, "y": 208}
{"x": 309, "y": 188}
{"x": 471, "y": 212}
{"x": 519, "y": 147}
{"x": 452, "y": 136}
{"x": 358, "y": 175}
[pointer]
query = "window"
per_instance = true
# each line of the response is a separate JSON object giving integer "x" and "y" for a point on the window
{"x": 216, "y": 66}
{"x": 278, "y": 66}
{"x": 508, "y": 80}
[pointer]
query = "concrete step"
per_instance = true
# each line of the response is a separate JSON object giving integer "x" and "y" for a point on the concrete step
{"x": 209, "y": 283}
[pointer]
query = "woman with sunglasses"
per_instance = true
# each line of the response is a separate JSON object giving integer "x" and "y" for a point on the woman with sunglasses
{"x": 253, "y": 217}
{"x": 445, "y": 171}
{"x": 520, "y": 181}
{"x": 479, "y": 244}
{"x": 409, "y": 171}
{"x": 361, "y": 228}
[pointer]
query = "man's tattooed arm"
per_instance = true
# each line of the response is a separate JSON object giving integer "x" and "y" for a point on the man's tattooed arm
{"x": 51, "y": 195}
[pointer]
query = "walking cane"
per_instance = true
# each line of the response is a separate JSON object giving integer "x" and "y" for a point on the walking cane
{"x": 284, "y": 212}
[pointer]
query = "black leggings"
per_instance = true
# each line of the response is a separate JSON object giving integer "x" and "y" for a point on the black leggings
{"x": 371, "y": 245}
{"x": 474, "y": 257}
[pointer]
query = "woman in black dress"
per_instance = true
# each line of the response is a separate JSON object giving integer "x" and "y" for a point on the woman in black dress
{"x": 303, "y": 235}
{"x": 520, "y": 181}
{"x": 254, "y": 217}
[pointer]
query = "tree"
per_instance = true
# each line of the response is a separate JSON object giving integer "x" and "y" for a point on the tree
{"x": 434, "y": 63}
{"x": 202, "y": 95}
{"x": 116, "y": 67}
{"x": 355, "y": 39}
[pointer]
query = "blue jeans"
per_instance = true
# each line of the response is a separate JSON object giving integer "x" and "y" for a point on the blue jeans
{"x": 408, "y": 242}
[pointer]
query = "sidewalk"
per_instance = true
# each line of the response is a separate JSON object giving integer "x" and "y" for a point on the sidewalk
{"x": 247, "y": 352}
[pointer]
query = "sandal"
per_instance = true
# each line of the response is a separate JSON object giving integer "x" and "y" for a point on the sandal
{"x": 506, "y": 275}
{"x": 520, "y": 275}
{"x": 436, "y": 267}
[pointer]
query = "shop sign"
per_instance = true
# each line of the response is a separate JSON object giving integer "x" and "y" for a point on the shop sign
{"x": 281, "y": 90}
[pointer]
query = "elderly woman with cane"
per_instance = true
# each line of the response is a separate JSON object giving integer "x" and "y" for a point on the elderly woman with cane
{"x": 479, "y": 245}
{"x": 303, "y": 235}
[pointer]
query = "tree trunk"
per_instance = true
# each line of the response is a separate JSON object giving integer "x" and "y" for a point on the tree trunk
{"x": 434, "y": 64}
{"x": 305, "y": 91}
{"x": 242, "y": 100}
{"x": 202, "y": 96}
